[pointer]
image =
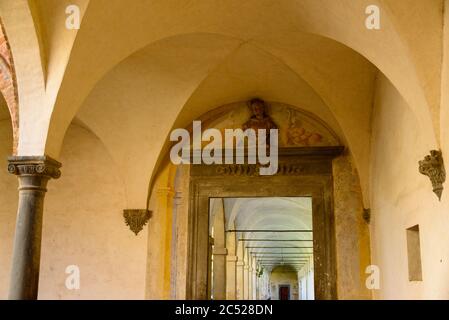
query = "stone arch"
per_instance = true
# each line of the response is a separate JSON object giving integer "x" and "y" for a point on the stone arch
{"x": 180, "y": 103}
{"x": 8, "y": 85}
{"x": 367, "y": 46}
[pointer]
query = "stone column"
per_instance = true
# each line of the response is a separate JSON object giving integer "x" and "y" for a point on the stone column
{"x": 231, "y": 268}
{"x": 219, "y": 252}
{"x": 33, "y": 174}
{"x": 209, "y": 268}
{"x": 231, "y": 277}
{"x": 254, "y": 293}
{"x": 245, "y": 282}
{"x": 250, "y": 283}
{"x": 240, "y": 281}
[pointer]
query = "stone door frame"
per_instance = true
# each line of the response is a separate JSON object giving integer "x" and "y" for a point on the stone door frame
{"x": 305, "y": 172}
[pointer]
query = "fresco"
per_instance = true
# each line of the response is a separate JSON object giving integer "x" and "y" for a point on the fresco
{"x": 297, "y": 128}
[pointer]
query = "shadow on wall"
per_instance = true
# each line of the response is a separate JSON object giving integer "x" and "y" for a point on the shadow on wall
{"x": 8, "y": 200}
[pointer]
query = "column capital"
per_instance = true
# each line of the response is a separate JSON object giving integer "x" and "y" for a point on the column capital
{"x": 43, "y": 166}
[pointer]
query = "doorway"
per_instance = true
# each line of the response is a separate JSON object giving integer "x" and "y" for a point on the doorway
{"x": 303, "y": 172}
{"x": 284, "y": 292}
{"x": 258, "y": 243}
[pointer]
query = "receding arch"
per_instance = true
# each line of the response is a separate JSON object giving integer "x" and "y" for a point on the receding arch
{"x": 8, "y": 85}
{"x": 183, "y": 100}
{"x": 305, "y": 16}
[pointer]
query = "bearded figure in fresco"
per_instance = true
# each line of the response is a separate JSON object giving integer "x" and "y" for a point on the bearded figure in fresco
{"x": 259, "y": 119}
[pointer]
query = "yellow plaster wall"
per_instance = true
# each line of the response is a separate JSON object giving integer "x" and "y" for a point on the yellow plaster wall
{"x": 401, "y": 197}
{"x": 84, "y": 226}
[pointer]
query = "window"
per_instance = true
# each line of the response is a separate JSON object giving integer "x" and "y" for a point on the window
{"x": 414, "y": 254}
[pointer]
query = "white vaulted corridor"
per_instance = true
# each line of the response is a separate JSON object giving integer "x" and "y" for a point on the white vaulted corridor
{"x": 261, "y": 248}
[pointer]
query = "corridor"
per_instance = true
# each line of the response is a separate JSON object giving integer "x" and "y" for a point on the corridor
{"x": 260, "y": 248}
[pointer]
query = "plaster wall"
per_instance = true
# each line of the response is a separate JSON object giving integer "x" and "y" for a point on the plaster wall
{"x": 83, "y": 225}
{"x": 283, "y": 276}
{"x": 401, "y": 198}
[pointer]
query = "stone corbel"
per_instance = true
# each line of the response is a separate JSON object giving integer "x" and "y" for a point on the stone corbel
{"x": 136, "y": 219}
{"x": 433, "y": 167}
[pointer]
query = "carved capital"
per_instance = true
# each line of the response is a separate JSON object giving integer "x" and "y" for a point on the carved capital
{"x": 136, "y": 219}
{"x": 433, "y": 167}
{"x": 34, "y": 166}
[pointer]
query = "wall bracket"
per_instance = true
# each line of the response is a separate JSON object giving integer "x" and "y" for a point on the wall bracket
{"x": 433, "y": 167}
{"x": 136, "y": 219}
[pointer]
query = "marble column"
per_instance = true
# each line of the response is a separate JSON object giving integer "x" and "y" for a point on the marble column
{"x": 219, "y": 273}
{"x": 33, "y": 174}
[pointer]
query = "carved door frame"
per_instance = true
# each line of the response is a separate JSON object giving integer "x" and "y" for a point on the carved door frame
{"x": 302, "y": 172}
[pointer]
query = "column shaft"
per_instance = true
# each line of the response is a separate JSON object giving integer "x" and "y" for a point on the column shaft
{"x": 245, "y": 283}
{"x": 250, "y": 283}
{"x": 219, "y": 273}
{"x": 240, "y": 281}
{"x": 231, "y": 277}
{"x": 33, "y": 174}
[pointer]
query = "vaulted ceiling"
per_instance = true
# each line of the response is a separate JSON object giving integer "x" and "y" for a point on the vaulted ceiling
{"x": 288, "y": 222}
{"x": 134, "y": 72}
